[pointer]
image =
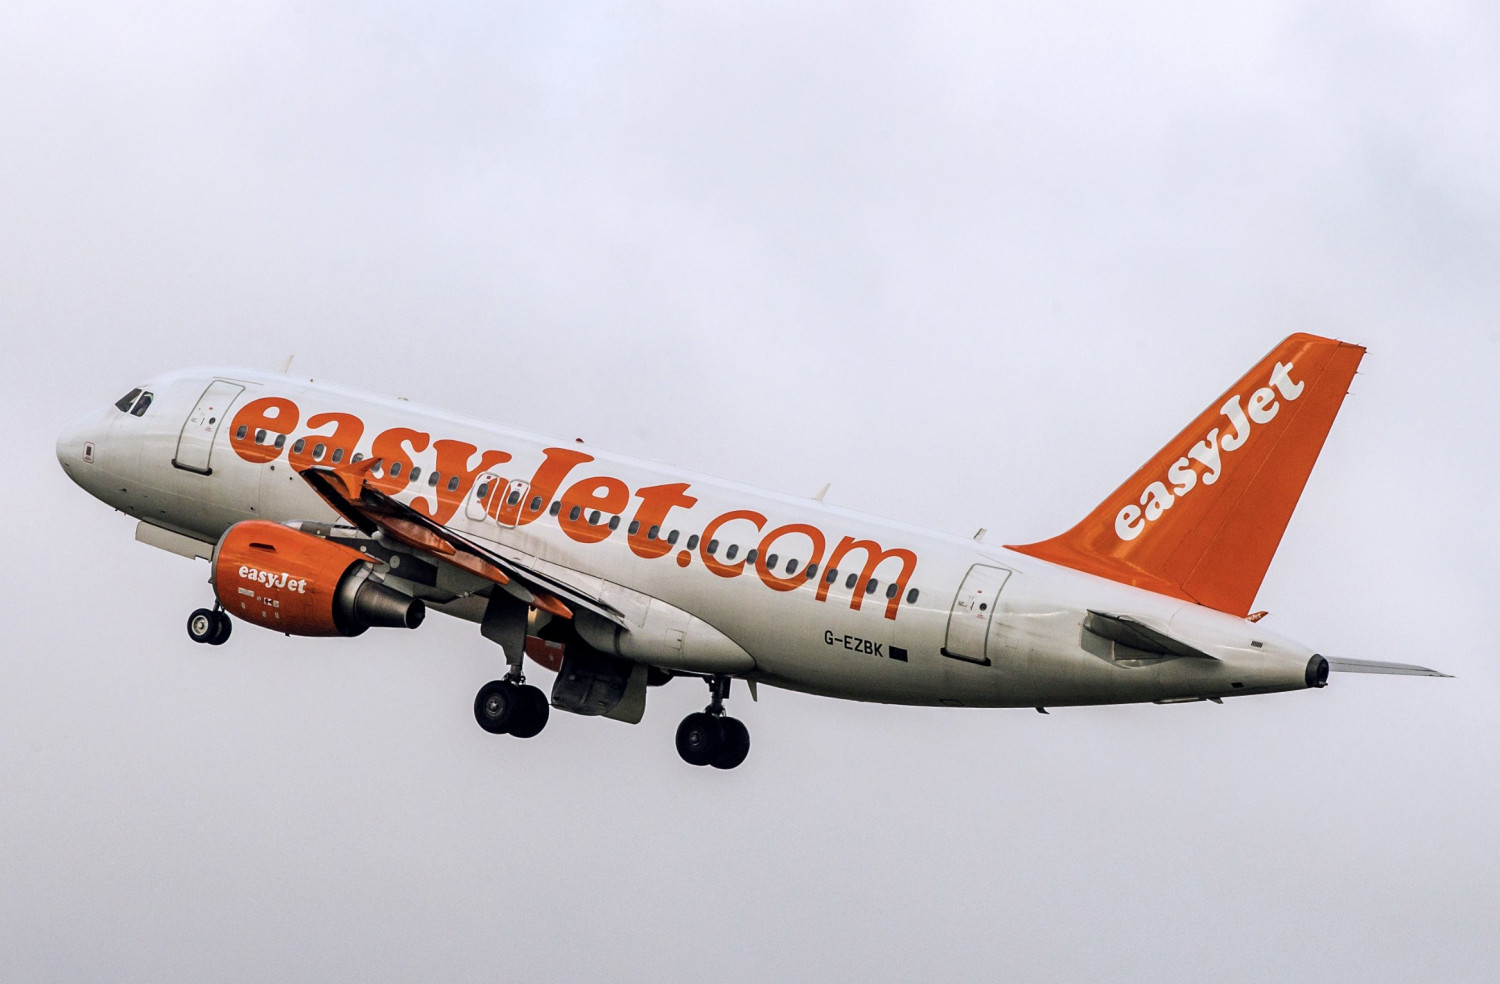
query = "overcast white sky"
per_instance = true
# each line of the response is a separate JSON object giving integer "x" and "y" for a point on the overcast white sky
{"x": 970, "y": 263}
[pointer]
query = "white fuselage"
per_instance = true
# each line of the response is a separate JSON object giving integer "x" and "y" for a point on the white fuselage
{"x": 977, "y": 625}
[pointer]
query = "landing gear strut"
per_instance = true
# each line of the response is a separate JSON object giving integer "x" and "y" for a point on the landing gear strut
{"x": 209, "y": 625}
{"x": 509, "y": 706}
{"x": 709, "y": 737}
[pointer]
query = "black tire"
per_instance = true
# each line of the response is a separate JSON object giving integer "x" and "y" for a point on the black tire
{"x": 202, "y": 625}
{"x": 498, "y": 706}
{"x": 699, "y": 738}
{"x": 535, "y": 711}
{"x": 222, "y": 627}
{"x": 735, "y": 746}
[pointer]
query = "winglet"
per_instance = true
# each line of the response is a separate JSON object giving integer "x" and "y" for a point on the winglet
{"x": 1201, "y": 520}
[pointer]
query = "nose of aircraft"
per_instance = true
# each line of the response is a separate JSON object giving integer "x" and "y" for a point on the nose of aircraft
{"x": 76, "y": 445}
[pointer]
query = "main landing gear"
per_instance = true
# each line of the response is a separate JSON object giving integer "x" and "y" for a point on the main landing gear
{"x": 709, "y": 737}
{"x": 209, "y": 625}
{"x": 509, "y": 707}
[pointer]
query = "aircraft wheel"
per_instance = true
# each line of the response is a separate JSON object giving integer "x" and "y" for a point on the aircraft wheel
{"x": 534, "y": 708}
{"x": 203, "y": 625}
{"x": 699, "y": 738}
{"x": 735, "y": 744}
{"x": 222, "y": 627}
{"x": 499, "y": 706}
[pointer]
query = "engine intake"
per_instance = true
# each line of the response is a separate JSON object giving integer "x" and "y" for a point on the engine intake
{"x": 301, "y": 584}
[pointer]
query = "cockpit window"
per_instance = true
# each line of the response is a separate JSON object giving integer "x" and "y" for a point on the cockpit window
{"x": 141, "y": 405}
{"x": 125, "y": 401}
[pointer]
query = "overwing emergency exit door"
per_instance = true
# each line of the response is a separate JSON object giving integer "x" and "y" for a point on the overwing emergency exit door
{"x": 195, "y": 445}
{"x": 973, "y": 608}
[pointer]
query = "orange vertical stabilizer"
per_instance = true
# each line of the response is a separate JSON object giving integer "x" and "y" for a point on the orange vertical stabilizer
{"x": 1201, "y": 520}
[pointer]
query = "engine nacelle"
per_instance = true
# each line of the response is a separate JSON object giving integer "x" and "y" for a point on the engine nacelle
{"x": 301, "y": 584}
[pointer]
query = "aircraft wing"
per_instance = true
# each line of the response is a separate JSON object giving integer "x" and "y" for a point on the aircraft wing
{"x": 373, "y": 511}
{"x": 1375, "y": 666}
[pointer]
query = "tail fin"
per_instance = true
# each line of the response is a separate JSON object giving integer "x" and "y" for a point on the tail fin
{"x": 1202, "y": 519}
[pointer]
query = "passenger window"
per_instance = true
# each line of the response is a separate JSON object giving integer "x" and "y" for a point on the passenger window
{"x": 141, "y": 405}
{"x": 811, "y": 572}
{"x": 395, "y": 468}
{"x": 453, "y": 484}
{"x": 771, "y": 562}
{"x": 432, "y": 479}
{"x": 574, "y": 513}
{"x": 358, "y": 457}
{"x": 791, "y": 567}
{"x": 871, "y": 586}
{"x": 260, "y": 436}
{"x": 416, "y": 473}
{"x": 750, "y": 557}
{"x": 734, "y": 548}
{"x": 297, "y": 448}
{"x": 852, "y": 578}
{"x": 614, "y": 522}
{"x": 911, "y": 596}
{"x": 319, "y": 451}
{"x": 672, "y": 538}
{"x": 833, "y": 575}
{"x": 280, "y": 441}
{"x": 338, "y": 455}
{"x": 536, "y": 504}
{"x": 892, "y": 590}
{"x": 515, "y": 497}
{"x": 484, "y": 490}
{"x": 635, "y": 527}
{"x": 239, "y": 435}
{"x": 556, "y": 508}
{"x": 692, "y": 543}
{"x": 594, "y": 518}
{"x": 713, "y": 547}
{"x": 653, "y": 532}
{"x": 124, "y": 402}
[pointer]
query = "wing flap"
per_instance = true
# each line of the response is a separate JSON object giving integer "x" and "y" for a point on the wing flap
{"x": 374, "y": 511}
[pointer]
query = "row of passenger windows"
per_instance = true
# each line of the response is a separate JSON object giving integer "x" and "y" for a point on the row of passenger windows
{"x": 810, "y": 572}
{"x": 320, "y": 451}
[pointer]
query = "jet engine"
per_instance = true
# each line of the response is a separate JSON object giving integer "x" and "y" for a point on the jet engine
{"x": 301, "y": 584}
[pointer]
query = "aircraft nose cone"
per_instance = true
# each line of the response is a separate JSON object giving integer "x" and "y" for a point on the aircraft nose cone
{"x": 76, "y": 446}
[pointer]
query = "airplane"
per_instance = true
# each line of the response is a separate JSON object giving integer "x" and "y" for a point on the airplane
{"x": 326, "y": 511}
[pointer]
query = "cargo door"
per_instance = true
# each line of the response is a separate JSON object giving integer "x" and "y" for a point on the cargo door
{"x": 974, "y": 606}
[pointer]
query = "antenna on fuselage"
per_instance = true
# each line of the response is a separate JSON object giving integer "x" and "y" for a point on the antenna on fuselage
{"x": 286, "y": 367}
{"x": 823, "y": 491}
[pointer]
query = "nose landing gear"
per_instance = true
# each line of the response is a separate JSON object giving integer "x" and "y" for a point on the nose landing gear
{"x": 210, "y": 626}
{"x": 709, "y": 737}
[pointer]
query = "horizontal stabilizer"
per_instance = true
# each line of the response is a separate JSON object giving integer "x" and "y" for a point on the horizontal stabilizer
{"x": 1131, "y": 632}
{"x": 1375, "y": 666}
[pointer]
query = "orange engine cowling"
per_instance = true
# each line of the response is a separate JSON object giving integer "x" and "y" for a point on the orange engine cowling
{"x": 301, "y": 584}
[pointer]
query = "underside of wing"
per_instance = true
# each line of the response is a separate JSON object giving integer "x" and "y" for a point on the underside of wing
{"x": 1376, "y": 666}
{"x": 373, "y": 511}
